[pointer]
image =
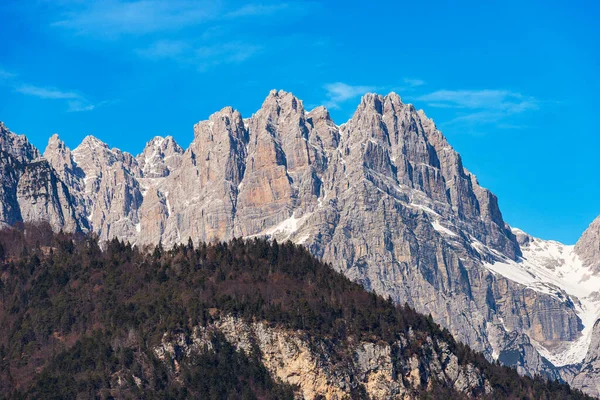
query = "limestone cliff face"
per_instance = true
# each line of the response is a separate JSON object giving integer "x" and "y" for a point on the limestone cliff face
{"x": 112, "y": 191}
{"x": 61, "y": 159}
{"x": 160, "y": 157}
{"x": 10, "y": 171}
{"x": 17, "y": 146}
{"x": 588, "y": 246}
{"x": 314, "y": 365}
{"x": 587, "y": 375}
{"x": 384, "y": 198}
{"x": 15, "y": 153}
{"x": 42, "y": 196}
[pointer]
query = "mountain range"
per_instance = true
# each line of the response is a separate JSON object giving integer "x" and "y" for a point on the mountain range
{"x": 383, "y": 198}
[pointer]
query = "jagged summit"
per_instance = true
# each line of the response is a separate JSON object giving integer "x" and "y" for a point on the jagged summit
{"x": 91, "y": 141}
{"x": 384, "y": 198}
{"x": 282, "y": 100}
{"x": 17, "y": 145}
{"x": 588, "y": 246}
{"x": 160, "y": 157}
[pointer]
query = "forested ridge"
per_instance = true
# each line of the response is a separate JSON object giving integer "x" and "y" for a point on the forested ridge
{"x": 74, "y": 316}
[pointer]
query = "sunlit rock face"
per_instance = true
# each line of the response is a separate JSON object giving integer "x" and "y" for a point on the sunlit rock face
{"x": 384, "y": 198}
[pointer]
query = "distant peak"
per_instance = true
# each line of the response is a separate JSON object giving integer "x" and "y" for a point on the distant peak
{"x": 55, "y": 145}
{"x": 159, "y": 144}
{"x": 91, "y": 140}
{"x": 156, "y": 140}
{"x": 319, "y": 110}
{"x": 280, "y": 94}
{"x": 225, "y": 111}
{"x": 372, "y": 100}
{"x": 55, "y": 140}
{"x": 394, "y": 97}
{"x": 90, "y": 143}
{"x": 282, "y": 99}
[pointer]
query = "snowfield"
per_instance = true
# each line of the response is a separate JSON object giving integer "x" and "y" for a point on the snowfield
{"x": 554, "y": 268}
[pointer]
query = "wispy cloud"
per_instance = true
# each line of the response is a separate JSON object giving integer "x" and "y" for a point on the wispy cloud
{"x": 340, "y": 92}
{"x": 201, "y": 56}
{"x": 114, "y": 18}
{"x": 500, "y": 100}
{"x": 45, "y": 93}
{"x": 412, "y": 82}
{"x": 75, "y": 102}
{"x": 5, "y": 75}
{"x": 250, "y": 10}
{"x": 261, "y": 9}
{"x": 164, "y": 49}
{"x": 480, "y": 106}
{"x": 79, "y": 105}
{"x": 225, "y": 53}
{"x": 111, "y": 19}
{"x": 203, "y": 33}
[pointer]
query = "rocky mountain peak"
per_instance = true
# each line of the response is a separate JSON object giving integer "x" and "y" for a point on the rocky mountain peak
{"x": 282, "y": 101}
{"x": 326, "y": 129}
{"x": 55, "y": 144}
{"x": 17, "y": 145}
{"x": 394, "y": 98}
{"x": 371, "y": 101}
{"x": 160, "y": 157}
{"x": 588, "y": 246}
{"x": 91, "y": 141}
{"x": 60, "y": 157}
{"x": 95, "y": 155}
{"x": 319, "y": 112}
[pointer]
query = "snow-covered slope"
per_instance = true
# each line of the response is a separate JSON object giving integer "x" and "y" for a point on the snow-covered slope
{"x": 554, "y": 268}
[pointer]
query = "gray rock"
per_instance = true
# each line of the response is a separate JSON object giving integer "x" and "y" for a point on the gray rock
{"x": 588, "y": 246}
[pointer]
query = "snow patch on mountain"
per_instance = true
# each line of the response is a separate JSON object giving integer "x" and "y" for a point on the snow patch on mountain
{"x": 442, "y": 229}
{"x": 285, "y": 229}
{"x": 554, "y": 268}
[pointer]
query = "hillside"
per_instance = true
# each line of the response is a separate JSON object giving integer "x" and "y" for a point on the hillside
{"x": 239, "y": 319}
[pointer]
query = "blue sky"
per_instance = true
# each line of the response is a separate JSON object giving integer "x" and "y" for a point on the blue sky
{"x": 513, "y": 85}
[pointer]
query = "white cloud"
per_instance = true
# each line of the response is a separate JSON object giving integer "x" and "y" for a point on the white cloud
{"x": 164, "y": 49}
{"x": 201, "y": 56}
{"x": 75, "y": 101}
{"x": 480, "y": 106}
{"x": 46, "y": 93}
{"x": 339, "y": 92}
{"x": 498, "y": 100}
{"x": 250, "y": 10}
{"x": 113, "y": 18}
{"x": 296, "y": 8}
{"x": 5, "y": 75}
{"x": 79, "y": 105}
{"x": 414, "y": 82}
{"x": 201, "y": 34}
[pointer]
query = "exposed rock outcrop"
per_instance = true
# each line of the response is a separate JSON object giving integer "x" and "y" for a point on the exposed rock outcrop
{"x": 587, "y": 376}
{"x": 42, "y": 196}
{"x": 312, "y": 364}
{"x": 588, "y": 246}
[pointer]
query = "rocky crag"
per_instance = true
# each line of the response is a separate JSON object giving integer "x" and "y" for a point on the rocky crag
{"x": 384, "y": 198}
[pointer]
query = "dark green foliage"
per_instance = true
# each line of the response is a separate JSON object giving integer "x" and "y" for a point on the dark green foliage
{"x": 74, "y": 318}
